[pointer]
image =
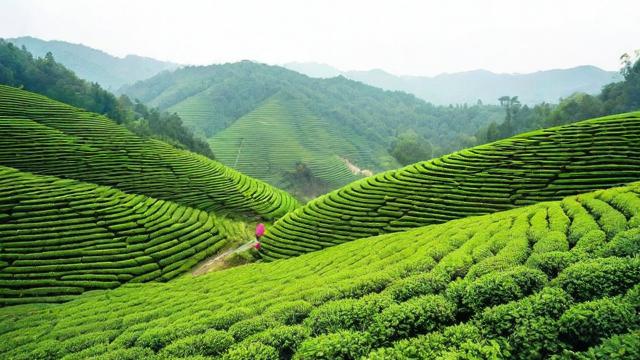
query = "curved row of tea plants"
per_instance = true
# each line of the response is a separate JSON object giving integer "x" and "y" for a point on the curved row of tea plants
{"x": 274, "y": 140}
{"x": 537, "y": 166}
{"x": 43, "y": 136}
{"x": 59, "y": 238}
{"x": 552, "y": 278}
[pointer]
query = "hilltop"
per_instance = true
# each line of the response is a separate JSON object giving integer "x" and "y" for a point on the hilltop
{"x": 94, "y": 65}
{"x": 556, "y": 278}
{"x": 538, "y": 166}
{"x": 47, "y": 137}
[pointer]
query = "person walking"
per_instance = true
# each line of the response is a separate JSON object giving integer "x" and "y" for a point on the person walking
{"x": 260, "y": 230}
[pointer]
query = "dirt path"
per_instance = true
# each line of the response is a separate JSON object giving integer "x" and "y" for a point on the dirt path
{"x": 217, "y": 260}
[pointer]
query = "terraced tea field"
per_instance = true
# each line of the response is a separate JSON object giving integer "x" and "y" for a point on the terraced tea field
{"x": 59, "y": 238}
{"x": 270, "y": 142}
{"x": 538, "y": 166}
{"x": 47, "y": 137}
{"x": 553, "y": 278}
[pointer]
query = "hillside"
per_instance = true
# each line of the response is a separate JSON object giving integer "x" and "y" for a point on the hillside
{"x": 60, "y": 238}
{"x": 553, "y": 278}
{"x": 45, "y": 76}
{"x": 46, "y": 137}
{"x": 470, "y": 86}
{"x": 109, "y": 71}
{"x": 211, "y": 98}
{"x": 284, "y": 144}
{"x": 537, "y": 166}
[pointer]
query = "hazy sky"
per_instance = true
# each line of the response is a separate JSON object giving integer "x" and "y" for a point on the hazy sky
{"x": 403, "y": 37}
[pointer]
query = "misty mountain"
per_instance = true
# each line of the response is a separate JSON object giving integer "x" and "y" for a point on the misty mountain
{"x": 109, "y": 71}
{"x": 471, "y": 86}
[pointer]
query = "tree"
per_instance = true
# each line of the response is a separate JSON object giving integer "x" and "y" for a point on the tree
{"x": 409, "y": 148}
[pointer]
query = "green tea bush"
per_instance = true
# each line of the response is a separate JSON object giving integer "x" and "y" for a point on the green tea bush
{"x": 245, "y": 328}
{"x": 497, "y": 288}
{"x": 597, "y": 278}
{"x": 289, "y": 313}
{"x": 591, "y": 243}
{"x": 552, "y": 263}
{"x": 347, "y": 345}
{"x": 210, "y": 343}
{"x": 284, "y": 338}
{"x": 625, "y": 243}
{"x": 347, "y": 314}
{"x": 417, "y": 285}
{"x": 500, "y": 320}
{"x": 251, "y": 351}
{"x": 552, "y": 241}
{"x": 416, "y": 316}
{"x": 587, "y": 323}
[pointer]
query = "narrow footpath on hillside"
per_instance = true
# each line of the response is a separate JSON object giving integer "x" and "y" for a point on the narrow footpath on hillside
{"x": 218, "y": 260}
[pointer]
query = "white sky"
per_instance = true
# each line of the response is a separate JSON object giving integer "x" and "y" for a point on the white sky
{"x": 402, "y": 37}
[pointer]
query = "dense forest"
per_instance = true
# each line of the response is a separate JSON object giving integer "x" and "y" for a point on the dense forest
{"x": 19, "y": 68}
{"x": 616, "y": 97}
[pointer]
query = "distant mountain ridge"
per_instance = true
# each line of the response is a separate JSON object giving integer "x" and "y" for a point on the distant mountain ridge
{"x": 471, "y": 86}
{"x": 94, "y": 65}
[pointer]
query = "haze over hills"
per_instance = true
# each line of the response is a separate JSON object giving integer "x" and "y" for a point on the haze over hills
{"x": 95, "y": 65}
{"x": 471, "y": 86}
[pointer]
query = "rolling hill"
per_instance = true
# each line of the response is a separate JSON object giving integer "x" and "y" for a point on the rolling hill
{"x": 470, "y": 86}
{"x": 555, "y": 278}
{"x": 95, "y": 65}
{"x": 212, "y": 98}
{"x": 59, "y": 238}
{"x": 537, "y": 166}
{"x": 283, "y": 143}
{"x": 46, "y": 137}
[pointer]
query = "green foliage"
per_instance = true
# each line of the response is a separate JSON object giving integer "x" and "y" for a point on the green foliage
{"x": 416, "y": 316}
{"x": 347, "y": 345}
{"x": 251, "y": 351}
{"x": 625, "y": 243}
{"x": 592, "y": 279}
{"x": 346, "y": 314}
{"x": 497, "y": 288}
{"x": 245, "y": 328}
{"x": 586, "y": 323}
{"x": 416, "y": 285}
{"x": 289, "y": 313}
{"x": 409, "y": 148}
{"x": 210, "y": 343}
{"x": 284, "y": 338}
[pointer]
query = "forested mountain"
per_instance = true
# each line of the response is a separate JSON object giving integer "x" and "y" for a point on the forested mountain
{"x": 95, "y": 65}
{"x": 471, "y": 86}
{"x": 617, "y": 97}
{"x": 44, "y": 75}
{"x": 370, "y": 120}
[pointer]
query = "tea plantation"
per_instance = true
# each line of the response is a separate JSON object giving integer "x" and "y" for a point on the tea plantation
{"x": 271, "y": 142}
{"x": 43, "y": 136}
{"x": 537, "y": 166}
{"x": 59, "y": 238}
{"x": 555, "y": 278}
